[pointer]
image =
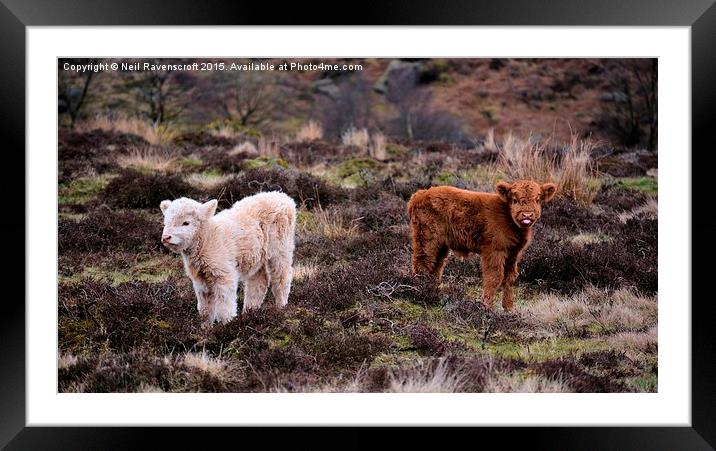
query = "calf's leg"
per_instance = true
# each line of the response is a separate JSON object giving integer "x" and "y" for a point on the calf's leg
{"x": 493, "y": 270}
{"x": 511, "y": 272}
{"x": 429, "y": 258}
{"x": 225, "y": 301}
{"x": 255, "y": 288}
{"x": 281, "y": 276}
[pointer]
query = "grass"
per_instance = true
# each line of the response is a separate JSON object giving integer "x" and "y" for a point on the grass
{"x": 646, "y": 185}
{"x": 149, "y": 160}
{"x": 310, "y": 131}
{"x": 569, "y": 165}
{"x": 154, "y": 134}
{"x": 358, "y": 137}
{"x": 82, "y": 190}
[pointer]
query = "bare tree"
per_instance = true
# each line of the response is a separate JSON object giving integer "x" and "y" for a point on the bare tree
{"x": 72, "y": 92}
{"x": 249, "y": 97}
{"x": 159, "y": 97}
{"x": 630, "y": 112}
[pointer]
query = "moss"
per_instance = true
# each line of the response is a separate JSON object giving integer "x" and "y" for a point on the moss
{"x": 645, "y": 383}
{"x": 446, "y": 79}
{"x": 646, "y": 185}
{"x": 396, "y": 150}
{"x": 543, "y": 350}
{"x": 490, "y": 113}
{"x": 445, "y": 178}
{"x": 354, "y": 166}
{"x": 264, "y": 162}
{"x": 153, "y": 270}
{"x": 82, "y": 190}
{"x": 407, "y": 310}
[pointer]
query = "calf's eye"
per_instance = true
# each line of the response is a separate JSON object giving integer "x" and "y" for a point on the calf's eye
{"x": 186, "y": 223}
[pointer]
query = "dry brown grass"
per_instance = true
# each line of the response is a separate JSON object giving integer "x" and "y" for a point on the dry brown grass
{"x": 226, "y": 131}
{"x": 207, "y": 181}
{"x": 516, "y": 383}
{"x": 311, "y": 131}
{"x": 148, "y": 388}
{"x": 356, "y": 137}
{"x": 530, "y": 159}
{"x": 425, "y": 378}
{"x": 585, "y": 238}
{"x": 623, "y": 310}
{"x": 304, "y": 270}
{"x": 154, "y": 134}
{"x": 650, "y": 209}
{"x": 269, "y": 147}
{"x": 246, "y": 147}
{"x": 66, "y": 361}
{"x": 204, "y": 362}
{"x": 149, "y": 159}
{"x": 331, "y": 224}
{"x": 377, "y": 148}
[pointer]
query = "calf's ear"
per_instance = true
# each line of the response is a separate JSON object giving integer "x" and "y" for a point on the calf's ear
{"x": 503, "y": 189}
{"x": 208, "y": 209}
{"x": 548, "y": 191}
{"x": 164, "y": 205}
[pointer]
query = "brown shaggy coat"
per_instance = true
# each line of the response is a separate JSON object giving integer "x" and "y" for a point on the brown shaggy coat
{"x": 498, "y": 227}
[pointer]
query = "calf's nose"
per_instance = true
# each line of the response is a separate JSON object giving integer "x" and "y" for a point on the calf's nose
{"x": 166, "y": 238}
{"x": 528, "y": 214}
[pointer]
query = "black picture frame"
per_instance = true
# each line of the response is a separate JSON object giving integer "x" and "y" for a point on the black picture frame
{"x": 16, "y": 15}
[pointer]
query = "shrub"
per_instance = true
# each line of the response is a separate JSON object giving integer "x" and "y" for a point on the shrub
{"x": 574, "y": 375}
{"x": 133, "y": 315}
{"x": 132, "y": 189}
{"x": 104, "y": 229}
{"x": 304, "y": 188}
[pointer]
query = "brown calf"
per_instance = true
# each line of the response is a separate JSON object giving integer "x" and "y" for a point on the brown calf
{"x": 496, "y": 226}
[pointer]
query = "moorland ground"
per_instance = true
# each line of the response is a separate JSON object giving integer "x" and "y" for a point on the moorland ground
{"x": 357, "y": 319}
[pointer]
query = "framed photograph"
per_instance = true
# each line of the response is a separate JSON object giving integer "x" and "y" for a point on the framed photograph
{"x": 239, "y": 225}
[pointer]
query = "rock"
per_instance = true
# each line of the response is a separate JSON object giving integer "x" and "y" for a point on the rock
{"x": 326, "y": 86}
{"x": 381, "y": 85}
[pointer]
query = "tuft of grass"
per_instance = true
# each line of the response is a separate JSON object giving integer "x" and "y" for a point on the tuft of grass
{"x": 246, "y": 147}
{"x": 426, "y": 377}
{"x": 149, "y": 160}
{"x": 207, "y": 181}
{"x": 377, "y": 148}
{"x": 583, "y": 239}
{"x": 206, "y": 363}
{"x": 356, "y": 137}
{"x": 571, "y": 166}
{"x": 524, "y": 383}
{"x": 311, "y": 131}
{"x": 154, "y": 134}
{"x": 650, "y": 209}
{"x": 331, "y": 224}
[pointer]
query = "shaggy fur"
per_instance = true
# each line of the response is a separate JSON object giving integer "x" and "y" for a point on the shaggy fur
{"x": 496, "y": 226}
{"x": 253, "y": 242}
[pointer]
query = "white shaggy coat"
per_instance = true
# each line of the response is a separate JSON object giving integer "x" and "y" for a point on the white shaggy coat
{"x": 252, "y": 242}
